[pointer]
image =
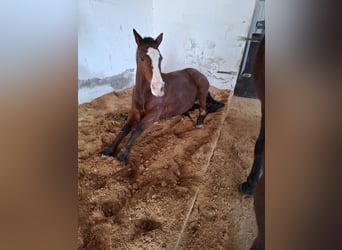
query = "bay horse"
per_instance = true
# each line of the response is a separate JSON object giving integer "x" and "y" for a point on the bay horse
{"x": 159, "y": 95}
{"x": 253, "y": 184}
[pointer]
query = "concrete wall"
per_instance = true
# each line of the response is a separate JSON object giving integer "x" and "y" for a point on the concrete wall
{"x": 201, "y": 34}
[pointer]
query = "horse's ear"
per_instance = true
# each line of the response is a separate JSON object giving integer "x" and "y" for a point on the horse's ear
{"x": 159, "y": 39}
{"x": 137, "y": 37}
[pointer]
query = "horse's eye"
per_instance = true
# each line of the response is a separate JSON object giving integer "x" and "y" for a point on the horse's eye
{"x": 142, "y": 58}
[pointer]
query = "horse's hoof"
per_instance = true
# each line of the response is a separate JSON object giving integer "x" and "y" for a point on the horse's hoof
{"x": 103, "y": 156}
{"x": 122, "y": 156}
{"x": 258, "y": 245}
{"x": 199, "y": 126}
{"x": 107, "y": 152}
{"x": 122, "y": 163}
{"x": 246, "y": 189}
{"x": 122, "y": 160}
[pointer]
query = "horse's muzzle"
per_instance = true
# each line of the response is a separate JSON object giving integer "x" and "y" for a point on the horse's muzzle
{"x": 157, "y": 89}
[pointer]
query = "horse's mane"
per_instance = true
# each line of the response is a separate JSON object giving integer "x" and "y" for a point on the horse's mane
{"x": 149, "y": 40}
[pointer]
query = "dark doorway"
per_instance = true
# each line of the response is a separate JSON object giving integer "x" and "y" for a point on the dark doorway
{"x": 244, "y": 86}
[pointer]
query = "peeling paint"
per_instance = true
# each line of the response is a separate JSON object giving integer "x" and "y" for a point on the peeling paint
{"x": 117, "y": 81}
{"x": 92, "y": 88}
{"x": 120, "y": 81}
{"x": 210, "y": 45}
{"x": 191, "y": 44}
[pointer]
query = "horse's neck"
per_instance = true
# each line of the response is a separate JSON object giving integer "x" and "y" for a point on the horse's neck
{"x": 141, "y": 83}
{"x": 142, "y": 89}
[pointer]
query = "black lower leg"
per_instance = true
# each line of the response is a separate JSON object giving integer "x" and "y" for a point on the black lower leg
{"x": 248, "y": 187}
{"x": 200, "y": 119}
{"x": 125, "y": 151}
{"x": 112, "y": 147}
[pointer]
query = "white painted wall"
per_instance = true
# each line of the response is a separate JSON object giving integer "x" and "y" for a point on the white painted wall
{"x": 105, "y": 41}
{"x": 197, "y": 33}
{"x": 205, "y": 35}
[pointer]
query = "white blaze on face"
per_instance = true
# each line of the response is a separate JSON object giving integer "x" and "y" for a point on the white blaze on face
{"x": 157, "y": 83}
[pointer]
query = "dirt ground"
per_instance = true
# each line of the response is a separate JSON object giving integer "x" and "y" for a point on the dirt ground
{"x": 178, "y": 188}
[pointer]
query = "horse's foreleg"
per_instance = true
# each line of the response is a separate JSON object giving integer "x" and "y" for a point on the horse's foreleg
{"x": 247, "y": 187}
{"x": 203, "y": 112}
{"x": 125, "y": 151}
{"x": 145, "y": 123}
{"x": 123, "y": 132}
{"x": 259, "y": 207}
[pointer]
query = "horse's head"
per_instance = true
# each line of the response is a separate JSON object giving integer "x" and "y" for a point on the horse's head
{"x": 148, "y": 62}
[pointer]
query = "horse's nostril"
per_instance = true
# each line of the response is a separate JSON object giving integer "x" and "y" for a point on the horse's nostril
{"x": 162, "y": 89}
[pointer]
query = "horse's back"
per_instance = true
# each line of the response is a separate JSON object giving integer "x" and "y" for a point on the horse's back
{"x": 200, "y": 79}
{"x": 179, "y": 81}
{"x": 188, "y": 78}
{"x": 182, "y": 89}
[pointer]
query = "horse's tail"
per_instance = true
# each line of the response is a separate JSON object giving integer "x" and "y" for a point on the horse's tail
{"x": 212, "y": 104}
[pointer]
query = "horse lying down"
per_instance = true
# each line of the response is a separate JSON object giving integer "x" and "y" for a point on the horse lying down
{"x": 158, "y": 95}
